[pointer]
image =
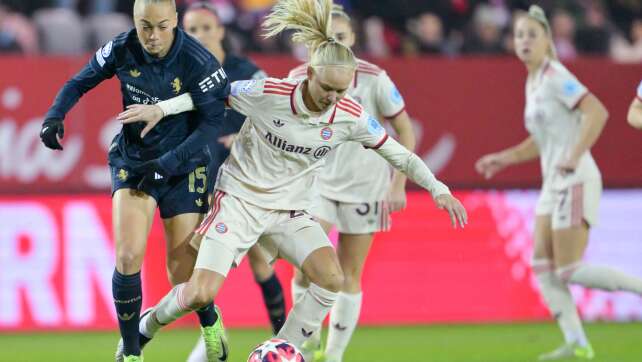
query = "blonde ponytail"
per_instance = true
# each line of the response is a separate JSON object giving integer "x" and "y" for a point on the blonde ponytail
{"x": 537, "y": 13}
{"x": 310, "y": 20}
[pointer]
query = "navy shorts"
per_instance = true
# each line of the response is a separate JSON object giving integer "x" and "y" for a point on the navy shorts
{"x": 182, "y": 194}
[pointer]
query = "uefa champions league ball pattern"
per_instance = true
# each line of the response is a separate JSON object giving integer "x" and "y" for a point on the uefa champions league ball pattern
{"x": 275, "y": 350}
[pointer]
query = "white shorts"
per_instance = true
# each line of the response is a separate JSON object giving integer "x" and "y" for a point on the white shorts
{"x": 353, "y": 218}
{"x": 570, "y": 205}
{"x": 233, "y": 226}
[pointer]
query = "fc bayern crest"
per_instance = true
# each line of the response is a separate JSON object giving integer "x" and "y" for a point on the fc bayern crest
{"x": 326, "y": 133}
{"x": 221, "y": 228}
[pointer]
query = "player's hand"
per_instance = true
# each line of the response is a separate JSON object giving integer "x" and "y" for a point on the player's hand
{"x": 567, "y": 167}
{"x": 490, "y": 164}
{"x": 228, "y": 140}
{"x": 455, "y": 209}
{"x": 148, "y": 113}
{"x": 52, "y": 132}
{"x": 396, "y": 198}
{"x": 153, "y": 174}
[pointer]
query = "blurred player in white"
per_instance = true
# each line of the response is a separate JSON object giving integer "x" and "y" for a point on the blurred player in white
{"x": 358, "y": 206}
{"x": 635, "y": 110}
{"x": 268, "y": 181}
{"x": 564, "y": 120}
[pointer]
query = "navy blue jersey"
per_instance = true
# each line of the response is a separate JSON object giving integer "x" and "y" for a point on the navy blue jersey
{"x": 237, "y": 68}
{"x": 179, "y": 140}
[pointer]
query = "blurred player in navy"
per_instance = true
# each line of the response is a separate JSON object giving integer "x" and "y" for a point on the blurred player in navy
{"x": 201, "y": 21}
{"x": 164, "y": 167}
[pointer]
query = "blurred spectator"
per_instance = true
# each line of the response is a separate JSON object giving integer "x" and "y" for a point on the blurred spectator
{"x": 374, "y": 33}
{"x": 427, "y": 34}
{"x": 18, "y": 33}
{"x": 485, "y": 36}
{"x": 594, "y": 37}
{"x": 89, "y": 6}
{"x": 563, "y": 28}
{"x": 629, "y": 52}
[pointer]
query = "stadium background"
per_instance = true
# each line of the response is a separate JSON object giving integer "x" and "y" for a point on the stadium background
{"x": 466, "y": 99}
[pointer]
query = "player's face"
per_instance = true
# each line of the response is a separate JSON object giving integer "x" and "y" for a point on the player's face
{"x": 155, "y": 24}
{"x": 531, "y": 40}
{"x": 327, "y": 85}
{"x": 342, "y": 31}
{"x": 205, "y": 27}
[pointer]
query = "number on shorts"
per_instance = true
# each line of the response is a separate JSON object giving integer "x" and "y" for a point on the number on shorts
{"x": 199, "y": 174}
{"x": 364, "y": 209}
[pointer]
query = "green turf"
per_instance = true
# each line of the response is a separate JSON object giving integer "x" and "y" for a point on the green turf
{"x": 442, "y": 343}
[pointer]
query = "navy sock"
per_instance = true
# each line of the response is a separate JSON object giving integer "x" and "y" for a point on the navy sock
{"x": 274, "y": 302}
{"x": 207, "y": 315}
{"x": 128, "y": 298}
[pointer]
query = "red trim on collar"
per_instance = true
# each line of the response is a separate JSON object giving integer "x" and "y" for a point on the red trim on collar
{"x": 292, "y": 100}
{"x": 333, "y": 113}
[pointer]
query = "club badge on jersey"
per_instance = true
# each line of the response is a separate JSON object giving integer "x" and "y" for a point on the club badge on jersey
{"x": 374, "y": 127}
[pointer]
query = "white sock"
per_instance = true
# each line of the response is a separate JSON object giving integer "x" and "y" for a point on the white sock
{"x": 560, "y": 302}
{"x": 307, "y": 314}
{"x": 170, "y": 308}
{"x": 199, "y": 353}
{"x": 343, "y": 321}
{"x": 600, "y": 277}
{"x": 297, "y": 291}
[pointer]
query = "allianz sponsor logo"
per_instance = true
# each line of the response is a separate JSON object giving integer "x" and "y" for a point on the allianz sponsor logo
{"x": 283, "y": 145}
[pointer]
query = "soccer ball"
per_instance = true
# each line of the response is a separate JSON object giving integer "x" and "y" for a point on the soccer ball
{"x": 275, "y": 350}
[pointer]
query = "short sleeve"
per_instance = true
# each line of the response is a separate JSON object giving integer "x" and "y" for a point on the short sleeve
{"x": 389, "y": 101}
{"x": 104, "y": 60}
{"x": 567, "y": 89}
{"x": 369, "y": 132}
{"x": 245, "y": 94}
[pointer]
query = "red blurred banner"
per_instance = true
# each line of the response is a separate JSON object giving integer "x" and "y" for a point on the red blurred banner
{"x": 57, "y": 259}
{"x": 462, "y": 109}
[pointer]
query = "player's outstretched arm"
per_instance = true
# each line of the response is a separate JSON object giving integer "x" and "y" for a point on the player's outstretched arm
{"x": 634, "y": 116}
{"x": 413, "y": 167}
{"x": 490, "y": 164}
{"x": 153, "y": 113}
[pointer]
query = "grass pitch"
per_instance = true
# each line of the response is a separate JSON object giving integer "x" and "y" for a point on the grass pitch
{"x": 435, "y": 343}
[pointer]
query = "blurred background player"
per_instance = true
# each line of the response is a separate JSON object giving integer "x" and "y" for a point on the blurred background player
{"x": 564, "y": 121}
{"x": 358, "y": 206}
{"x": 635, "y": 110}
{"x": 267, "y": 179}
{"x": 158, "y": 170}
{"x": 201, "y": 21}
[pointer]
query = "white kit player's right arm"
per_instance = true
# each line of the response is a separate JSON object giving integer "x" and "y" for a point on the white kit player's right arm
{"x": 634, "y": 117}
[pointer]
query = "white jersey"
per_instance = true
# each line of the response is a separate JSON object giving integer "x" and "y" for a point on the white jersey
{"x": 553, "y": 120}
{"x": 342, "y": 179}
{"x": 281, "y": 147}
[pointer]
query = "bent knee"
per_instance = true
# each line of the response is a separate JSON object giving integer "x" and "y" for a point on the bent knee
{"x": 128, "y": 261}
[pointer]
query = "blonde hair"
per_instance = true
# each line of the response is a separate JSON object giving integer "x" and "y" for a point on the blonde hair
{"x": 310, "y": 20}
{"x": 172, "y": 3}
{"x": 537, "y": 14}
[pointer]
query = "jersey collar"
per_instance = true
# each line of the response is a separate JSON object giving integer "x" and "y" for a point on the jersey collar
{"x": 299, "y": 108}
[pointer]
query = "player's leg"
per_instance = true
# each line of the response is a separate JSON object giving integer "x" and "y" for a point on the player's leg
{"x": 556, "y": 294}
{"x": 300, "y": 282}
{"x": 270, "y": 288}
{"x": 133, "y": 214}
{"x": 301, "y": 240}
{"x": 352, "y": 251}
{"x": 577, "y": 211}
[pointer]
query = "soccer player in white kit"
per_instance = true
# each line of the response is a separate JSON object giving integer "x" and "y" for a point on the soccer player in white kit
{"x": 357, "y": 205}
{"x": 268, "y": 182}
{"x": 635, "y": 110}
{"x": 564, "y": 120}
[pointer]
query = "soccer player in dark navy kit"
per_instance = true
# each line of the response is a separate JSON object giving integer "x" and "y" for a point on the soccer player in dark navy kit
{"x": 167, "y": 168}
